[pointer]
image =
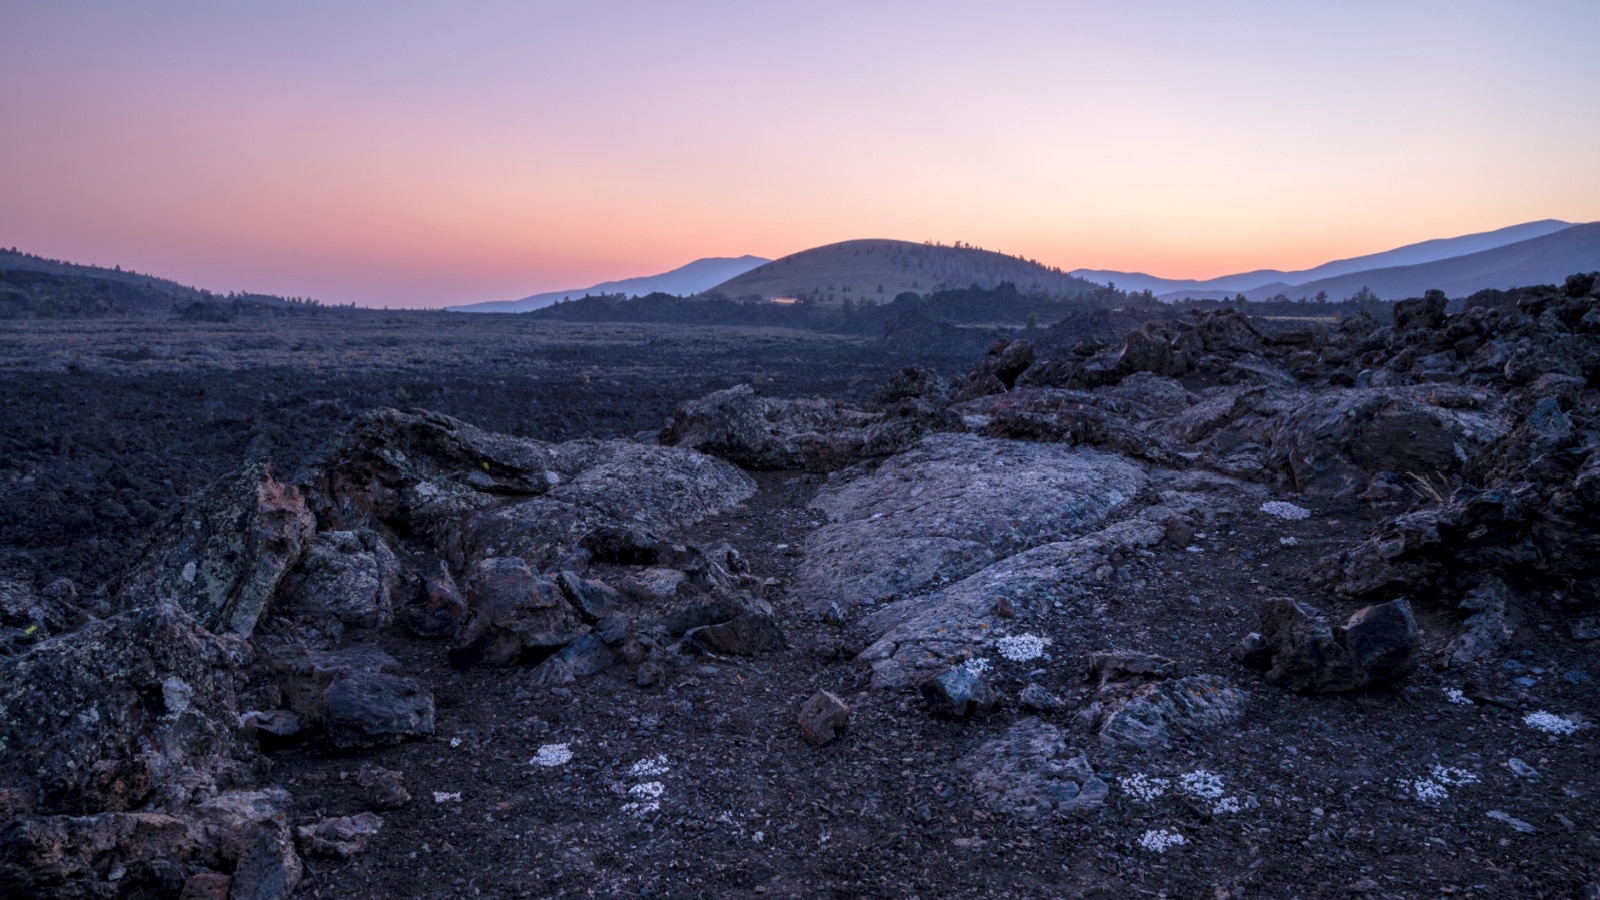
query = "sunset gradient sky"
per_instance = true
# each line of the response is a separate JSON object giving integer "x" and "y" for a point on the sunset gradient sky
{"x": 426, "y": 153}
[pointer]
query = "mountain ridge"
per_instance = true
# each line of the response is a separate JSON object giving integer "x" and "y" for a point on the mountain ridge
{"x": 1419, "y": 253}
{"x": 691, "y": 278}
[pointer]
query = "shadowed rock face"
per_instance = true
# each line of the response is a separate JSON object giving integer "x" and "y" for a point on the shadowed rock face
{"x": 1028, "y": 772}
{"x": 225, "y": 556}
{"x": 950, "y": 506}
{"x": 1377, "y": 646}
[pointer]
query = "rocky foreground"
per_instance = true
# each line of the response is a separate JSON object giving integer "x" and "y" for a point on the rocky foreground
{"x": 1211, "y": 610}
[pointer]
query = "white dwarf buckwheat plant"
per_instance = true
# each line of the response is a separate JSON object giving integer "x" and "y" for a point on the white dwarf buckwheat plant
{"x": 1287, "y": 511}
{"x": 1159, "y": 840}
{"x": 1202, "y": 784}
{"x": 1454, "y": 695}
{"x": 1226, "y": 805}
{"x": 644, "y": 768}
{"x": 1021, "y": 647}
{"x": 1144, "y": 787}
{"x": 1549, "y": 723}
{"x": 551, "y": 755}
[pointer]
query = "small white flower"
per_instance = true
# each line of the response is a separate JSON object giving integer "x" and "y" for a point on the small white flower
{"x": 645, "y": 768}
{"x": 551, "y": 755}
{"x": 1193, "y": 549}
{"x": 1144, "y": 787}
{"x": 1284, "y": 510}
{"x": 1289, "y": 541}
{"x": 1202, "y": 784}
{"x": 455, "y": 742}
{"x": 1226, "y": 805}
{"x": 442, "y": 797}
{"x": 1549, "y": 723}
{"x": 977, "y": 665}
{"x": 642, "y": 809}
{"x": 1159, "y": 840}
{"x": 1021, "y": 647}
{"x": 1454, "y": 695}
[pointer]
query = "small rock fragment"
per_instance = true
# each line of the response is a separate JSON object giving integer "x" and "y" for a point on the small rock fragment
{"x": 822, "y": 716}
{"x": 385, "y": 788}
{"x": 339, "y": 838}
{"x": 959, "y": 691}
{"x": 206, "y": 886}
{"x": 1511, "y": 820}
{"x": 1036, "y": 697}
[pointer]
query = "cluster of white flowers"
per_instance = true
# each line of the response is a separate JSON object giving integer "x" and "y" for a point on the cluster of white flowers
{"x": 977, "y": 665}
{"x": 1289, "y": 541}
{"x": 1454, "y": 695}
{"x": 1549, "y": 723}
{"x": 442, "y": 797}
{"x": 647, "y": 795}
{"x": 1021, "y": 647}
{"x": 1202, "y": 784}
{"x": 1226, "y": 805}
{"x": 1144, "y": 787}
{"x": 551, "y": 755}
{"x": 1159, "y": 840}
{"x": 645, "y": 768}
{"x": 1451, "y": 775}
{"x": 1437, "y": 787}
{"x": 1429, "y": 791}
{"x": 649, "y": 790}
{"x": 1284, "y": 510}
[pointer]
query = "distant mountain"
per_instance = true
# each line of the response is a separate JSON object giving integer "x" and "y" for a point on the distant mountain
{"x": 680, "y": 282}
{"x": 1542, "y": 260}
{"x": 880, "y": 269}
{"x": 1246, "y": 282}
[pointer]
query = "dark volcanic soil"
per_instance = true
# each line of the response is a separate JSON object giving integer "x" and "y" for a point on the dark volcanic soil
{"x": 104, "y": 429}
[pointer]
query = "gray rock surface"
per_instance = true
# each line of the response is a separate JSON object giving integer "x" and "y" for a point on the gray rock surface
{"x": 1029, "y": 772}
{"x": 345, "y": 579}
{"x": 949, "y": 507}
{"x": 1157, "y": 713}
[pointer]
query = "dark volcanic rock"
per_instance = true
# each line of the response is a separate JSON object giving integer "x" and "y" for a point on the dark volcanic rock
{"x": 103, "y": 718}
{"x": 369, "y": 709}
{"x": 959, "y": 691}
{"x": 1028, "y": 772}
{"x": 225, "y": 555}
{"x": 511, "y": 611}
{"x": 748, "y": 634}
{"x": 66, "y": 856}
{"x": 339, "y": 838}
{"x": 1157, "y": 713}
{"x": 441, "y": 609}
{"x": 1377, "y": 646}
{"x": 822, "y": 716}
{"x": 385, "y": 788}
{"x": 345, "y": 579}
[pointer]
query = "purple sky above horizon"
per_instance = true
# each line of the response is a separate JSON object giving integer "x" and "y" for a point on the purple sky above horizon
{"x": 426, "y": 154}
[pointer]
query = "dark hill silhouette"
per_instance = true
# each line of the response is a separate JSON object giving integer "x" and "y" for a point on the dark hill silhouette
{"x": 879, "y": 269}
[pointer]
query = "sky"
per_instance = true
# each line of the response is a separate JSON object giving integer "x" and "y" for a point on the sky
{"x": 421, "y": 154}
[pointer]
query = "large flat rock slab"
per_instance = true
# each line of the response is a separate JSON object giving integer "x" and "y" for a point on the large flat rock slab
{"x": 947, "y": 508}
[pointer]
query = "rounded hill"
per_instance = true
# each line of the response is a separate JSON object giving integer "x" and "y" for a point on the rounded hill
{"x": 880, "y": 269}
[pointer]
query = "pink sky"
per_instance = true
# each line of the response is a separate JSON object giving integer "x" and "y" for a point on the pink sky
{"x": 417, "y": 154}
